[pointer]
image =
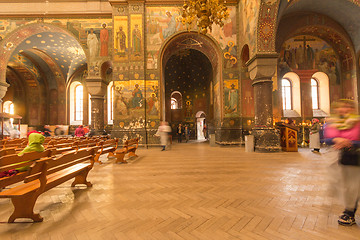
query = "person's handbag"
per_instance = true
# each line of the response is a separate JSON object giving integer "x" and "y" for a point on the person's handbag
{"x": 350, "y": 156}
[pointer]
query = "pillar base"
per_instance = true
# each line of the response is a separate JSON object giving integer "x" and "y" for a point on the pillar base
{"x": 266, "y": 140}
{"x": 228, "y": 136}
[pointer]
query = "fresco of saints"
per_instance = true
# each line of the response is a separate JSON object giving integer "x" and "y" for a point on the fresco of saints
{"x": 171, "y": 28}
{"x": 137, "y": 98}
{"x": 104, "y": 40}
{"x": 152, "y": 105}
{"x": 121, "y": 105}
{"x": 120, "y": 40}
{"x": 232, "y": 99}
{"x": 136, "y": 40}
{"x": 92, "y": 43}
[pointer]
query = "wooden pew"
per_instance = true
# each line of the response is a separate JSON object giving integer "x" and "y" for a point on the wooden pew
{"x": 108, "y": 146}
{"x": 12, "y": 161}
{"x": 7, "y": 151}
{"x": 45, "y": 174}
{"x": 129, "y": 147}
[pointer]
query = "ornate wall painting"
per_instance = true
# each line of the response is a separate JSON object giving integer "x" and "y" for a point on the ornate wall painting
{"x": 19, "y": 60}
{"x": 121, "y": 38}
{"x": 226, "y": 35}
{"x": 122, "y": 99}
{"x": 160, "y": 24}
{"x": 249, "y": 9}
{"x": 231, "y": 96}
{"x": 309, "y": 53}
{"x": 79, "y": 27}
{"x": 136, "y": 98}
{"x": 152, "y": 99}
{"x": 137, "y": 38}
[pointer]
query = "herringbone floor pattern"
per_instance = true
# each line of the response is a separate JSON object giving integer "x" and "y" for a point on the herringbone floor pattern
{"x": 191, "y": 192}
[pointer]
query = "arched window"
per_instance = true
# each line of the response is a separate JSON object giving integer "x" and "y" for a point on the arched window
{"x": 79, "y": 97}
{"x": 76, "y": 92}
{"x": 174, "y": 103}
{"x": 176, "y": 100}
{"x": 9, "y": 107}
{"x": 286, "y": 94}
{"x": 320, "y": 93}
{"x": 315, "y": 94}
{"x": 110, "y": 102}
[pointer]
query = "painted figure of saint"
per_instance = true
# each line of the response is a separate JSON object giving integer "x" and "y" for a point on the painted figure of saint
{"x": 104, "y": 40}
{"x": 120, "y": 40}
{"x": 92, "y": 43}
{"x": 137, "y": 97}
{"x": 152, "y": 105}
{"x": 233, "y": 98}
{"x": 136, "y": 40}
{"x": 171, "y": 28}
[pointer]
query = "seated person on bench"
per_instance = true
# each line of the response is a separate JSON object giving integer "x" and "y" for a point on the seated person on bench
{"x": 35, "y": 145}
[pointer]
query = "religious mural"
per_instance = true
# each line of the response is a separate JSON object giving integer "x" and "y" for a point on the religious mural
{"x": 92, "y": 33}
{"x": 104, "y": 40}
{"x": 152, "y": 99}
{"x": 249, "y": 10}
{"x": 129, "y": 99}
{"x": 231, "y": 95}
{"x": 309, "y": 53}
{"x": 120, "y": 38}
{"x": 19, "y": 60}
{"x": 162, "y": 22}
{"x": 136, "y": 36}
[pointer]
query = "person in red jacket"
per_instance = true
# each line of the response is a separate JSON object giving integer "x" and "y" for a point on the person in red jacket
{"x": 79, "y": 132}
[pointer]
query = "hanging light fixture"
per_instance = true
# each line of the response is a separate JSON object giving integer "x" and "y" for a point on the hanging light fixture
{"x": 205, "y": 13}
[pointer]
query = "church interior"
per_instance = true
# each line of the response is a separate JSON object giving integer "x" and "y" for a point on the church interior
{"x": 123, "y": 67}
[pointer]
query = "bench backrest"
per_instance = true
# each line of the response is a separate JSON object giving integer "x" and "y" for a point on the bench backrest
{"x": 131, "y": 142}
{"x": 7, "y": 151}
{"x": 17, "y": 143}
{"x": 12, "y": 161}
{"x": 47, "y": 166}
{"x": 110, "y": 142}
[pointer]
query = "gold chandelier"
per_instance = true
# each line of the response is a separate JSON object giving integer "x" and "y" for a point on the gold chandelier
{"x": 205, "y": 13}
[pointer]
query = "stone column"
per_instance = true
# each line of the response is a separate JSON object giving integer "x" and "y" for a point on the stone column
{"x": 262, "y": 69}
{"x": 97, "y": 90}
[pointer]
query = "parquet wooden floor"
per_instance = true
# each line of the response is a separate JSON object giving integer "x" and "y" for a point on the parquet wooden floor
{"x": 193, "y": 191}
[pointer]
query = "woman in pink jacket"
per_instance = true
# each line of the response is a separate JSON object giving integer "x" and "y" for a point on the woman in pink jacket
{"x": 342, "y": 131}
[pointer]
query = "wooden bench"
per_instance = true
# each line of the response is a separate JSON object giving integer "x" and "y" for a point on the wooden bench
{"x": 45, "y": 174}
{"x": 108, "y": 146}
{"x": 7, "y": 151}
{"x": 129, "y": 147}
{"x": 12, "y": 161}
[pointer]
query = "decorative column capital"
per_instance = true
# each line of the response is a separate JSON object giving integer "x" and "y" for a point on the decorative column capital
{"x": 3, "y": 89}
{"x": 262, "y": 67}
{"x": 96, "y": 86}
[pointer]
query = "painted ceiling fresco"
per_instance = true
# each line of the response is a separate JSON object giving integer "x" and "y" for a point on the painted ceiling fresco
{"x": 62, "y": 48}
{"x": 344, "y": 11}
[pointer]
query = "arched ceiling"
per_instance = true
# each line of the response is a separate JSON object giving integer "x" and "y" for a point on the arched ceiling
{"x": 63, "y": 49}
{"x": 345, "y": 12}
